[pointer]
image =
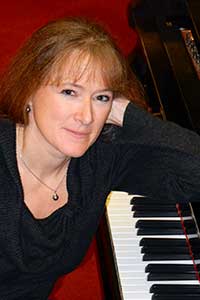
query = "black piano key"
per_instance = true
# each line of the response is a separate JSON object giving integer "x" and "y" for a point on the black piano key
{"x": 168, "y": 242}
{"x": 153, "y": 250}
{"x": 186, "y": 212}
{"x": 175, "y": 289}
{"x": 164, "y": 224}
{"x": 163, "y": 242}
{"x": 164, "y": 227}
{"x": 142, "y": 200}
{"x": 197, "y": 267}
{"x": 160, "y": 231}
{"x": 148, "y": 202}
{"x": 170, "y": 268}
{"x": 195, "y": 242}
{"x": 195, "y": 250}
{"x": 196, "y": 255}
{"x": 162, "y": 213}
{"x": 155, "y": 224}
{"x": 170, "y": 249}
{"x": 159, "y": 213}
{"x": 154, "y": 207}
{"x": 171, "y": 276}
{"x": 152, "y": 257}
{"x": 144, "y": 204}
{"x": 166, "y": 231}
{"x": 175, "y": 297}
{"x": 190, "y": 224}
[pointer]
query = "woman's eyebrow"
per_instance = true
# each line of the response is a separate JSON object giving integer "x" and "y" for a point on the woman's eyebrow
{"x": 82, "y": 87}
{"x": 72, "y": 84}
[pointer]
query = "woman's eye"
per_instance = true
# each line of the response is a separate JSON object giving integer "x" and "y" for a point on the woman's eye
{"x": 68, "y": 92}
{"x": 103, "y": 98}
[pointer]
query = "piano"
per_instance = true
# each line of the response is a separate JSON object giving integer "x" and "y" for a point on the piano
{"x": 147, "y": 251}
{"x": 156, "y": 248}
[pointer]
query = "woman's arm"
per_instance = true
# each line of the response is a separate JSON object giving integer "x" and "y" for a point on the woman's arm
{"x": 157, "y": 158}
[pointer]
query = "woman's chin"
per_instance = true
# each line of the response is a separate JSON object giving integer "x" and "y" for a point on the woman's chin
{"x": 75, "y": 153}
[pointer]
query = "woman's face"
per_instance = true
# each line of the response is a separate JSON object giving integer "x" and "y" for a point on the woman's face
{"x": 68, "y": 118}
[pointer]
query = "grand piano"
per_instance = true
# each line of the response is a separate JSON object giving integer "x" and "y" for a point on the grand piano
{"x": 147, "y": 251}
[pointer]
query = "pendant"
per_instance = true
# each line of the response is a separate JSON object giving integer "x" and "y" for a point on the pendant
{"x": 55, "y": 196}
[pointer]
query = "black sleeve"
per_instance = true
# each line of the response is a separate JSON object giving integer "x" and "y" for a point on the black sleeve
{"x": 157, "y": 158}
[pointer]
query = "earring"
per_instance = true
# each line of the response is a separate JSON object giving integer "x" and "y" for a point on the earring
{"x": 28, "y": 108}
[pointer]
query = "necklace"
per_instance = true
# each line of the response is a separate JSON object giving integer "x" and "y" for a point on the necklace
{"x": 55, "y": 195}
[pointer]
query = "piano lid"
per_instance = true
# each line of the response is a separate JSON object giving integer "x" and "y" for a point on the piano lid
{"x": 167, "y": 59}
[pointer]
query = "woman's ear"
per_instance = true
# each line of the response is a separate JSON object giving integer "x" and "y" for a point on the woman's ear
{"x": 29, "y": 105}
{"x": 28, "y": 108}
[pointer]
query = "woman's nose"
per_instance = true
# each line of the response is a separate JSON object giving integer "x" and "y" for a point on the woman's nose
{"x": 85, "y": 112}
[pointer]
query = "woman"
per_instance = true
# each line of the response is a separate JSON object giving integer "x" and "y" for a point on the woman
{"x": 58, "y": 163}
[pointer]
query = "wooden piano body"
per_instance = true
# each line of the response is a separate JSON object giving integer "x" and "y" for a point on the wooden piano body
{"x": 168, "y": 65}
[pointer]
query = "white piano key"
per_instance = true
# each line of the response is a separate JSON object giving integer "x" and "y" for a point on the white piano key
{"x": 126, "y": 247}
{"x": 127, "y": 268}
{"x": 128, "y": 254}
{"x": 139, "y": 237}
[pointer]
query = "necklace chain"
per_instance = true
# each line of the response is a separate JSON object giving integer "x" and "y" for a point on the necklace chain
{"x": 55, "y": 195}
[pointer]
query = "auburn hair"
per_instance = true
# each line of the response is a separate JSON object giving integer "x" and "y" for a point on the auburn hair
{"x": 44, "y": 56}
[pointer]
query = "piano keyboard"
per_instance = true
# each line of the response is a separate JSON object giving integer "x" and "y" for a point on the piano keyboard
{"x": 150, "y": 249}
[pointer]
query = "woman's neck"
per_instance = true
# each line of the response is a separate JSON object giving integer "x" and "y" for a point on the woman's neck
{"x": 38, "y": 155}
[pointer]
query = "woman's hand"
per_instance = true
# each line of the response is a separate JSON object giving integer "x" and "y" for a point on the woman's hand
{"x": 116, "y": 115}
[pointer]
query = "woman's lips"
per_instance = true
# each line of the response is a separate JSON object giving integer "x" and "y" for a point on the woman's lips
{"x": 77, "y": 134}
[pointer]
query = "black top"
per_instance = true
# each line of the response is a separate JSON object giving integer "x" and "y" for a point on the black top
{"x": 147, "y": 156}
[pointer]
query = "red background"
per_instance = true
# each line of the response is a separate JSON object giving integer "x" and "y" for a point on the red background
{"x": 18, "y": 19}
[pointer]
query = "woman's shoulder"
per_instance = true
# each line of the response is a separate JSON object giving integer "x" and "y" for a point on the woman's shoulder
{"x": 7, "y": 129}
{"x": 6, "y": 125}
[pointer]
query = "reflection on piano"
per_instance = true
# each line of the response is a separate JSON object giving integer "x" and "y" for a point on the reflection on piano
{"x": 192, "y": 49}
{"x": 148, "y": 251}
